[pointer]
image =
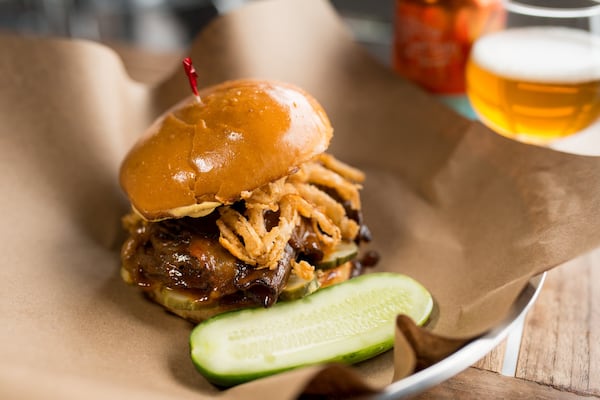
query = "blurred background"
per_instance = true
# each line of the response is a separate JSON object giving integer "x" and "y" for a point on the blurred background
{"x": 426, "y": 41}
{"x": 170, "y": 25}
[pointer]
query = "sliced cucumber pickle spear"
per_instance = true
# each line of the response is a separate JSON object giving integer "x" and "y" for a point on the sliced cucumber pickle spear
{"x": 348, "y": 322}
{"x": 344, "y": 251}
{"x": 296, "y": 288}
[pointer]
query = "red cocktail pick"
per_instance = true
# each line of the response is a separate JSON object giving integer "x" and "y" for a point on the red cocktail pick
{"x": 190, "y": 71}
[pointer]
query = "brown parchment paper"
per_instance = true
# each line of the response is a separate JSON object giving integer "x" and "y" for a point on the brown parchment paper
{"x": 468, "y": 213}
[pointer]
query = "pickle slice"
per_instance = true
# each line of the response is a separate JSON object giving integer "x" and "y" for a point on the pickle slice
{"x": 344, "y": 251}
{"x": 348, "y": 322}
{"x": 296, "y": 288}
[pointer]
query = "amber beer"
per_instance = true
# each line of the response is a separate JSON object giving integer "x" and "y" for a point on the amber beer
{"x": 536, "y": 84}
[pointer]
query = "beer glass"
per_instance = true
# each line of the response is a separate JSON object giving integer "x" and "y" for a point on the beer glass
{"x": 538, "y": 79}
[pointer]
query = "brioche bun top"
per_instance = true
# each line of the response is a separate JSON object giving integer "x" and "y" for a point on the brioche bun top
{"x": 242, "y": 135}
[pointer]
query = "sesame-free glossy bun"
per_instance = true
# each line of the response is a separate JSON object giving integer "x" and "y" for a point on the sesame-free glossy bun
{"x": 242, "y": 135}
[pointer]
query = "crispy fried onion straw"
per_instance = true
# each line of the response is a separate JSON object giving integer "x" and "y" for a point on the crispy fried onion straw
{"x": 245, "y": 235}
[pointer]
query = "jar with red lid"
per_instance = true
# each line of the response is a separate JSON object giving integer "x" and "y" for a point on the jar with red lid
{"x": 433, "y": 38}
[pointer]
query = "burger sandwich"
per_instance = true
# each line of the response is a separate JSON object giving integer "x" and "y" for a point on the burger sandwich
{"x": 236, "y": 204}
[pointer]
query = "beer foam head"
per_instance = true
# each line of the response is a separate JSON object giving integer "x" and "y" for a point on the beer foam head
{"x": 540, "y": 54}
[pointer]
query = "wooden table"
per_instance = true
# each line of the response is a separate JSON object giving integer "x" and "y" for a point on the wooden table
{"x": 559, "y": 352}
